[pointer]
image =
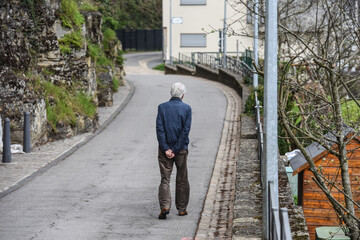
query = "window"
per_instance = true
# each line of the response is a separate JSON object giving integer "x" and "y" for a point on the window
{"x": 192, "y": 40}
{"x": 193, "y": 2}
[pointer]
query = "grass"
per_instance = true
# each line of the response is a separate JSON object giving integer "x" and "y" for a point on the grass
{"x": 88, "y": 7}
{"x": 73, "y": 39}
{"x": 64, "y": 104}
{"x": 116, "y": 84}
{"x": 350, "y": 111}
{"x": 70, "y": 15}
{"x": 109, "y": 36}
{"x": 94, "y": 51}
{"x": 160, "y": 67}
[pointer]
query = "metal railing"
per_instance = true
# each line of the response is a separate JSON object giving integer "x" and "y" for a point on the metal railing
{"x": 187, "y": 61}
{"x": 259, "y": 130}
{"x": 279, "y": 225}
{"x": 209, "y": 59}
{"x": 278, "y": 221}
{"x": 174, "y": 61}
{"x": 239, "y": 66}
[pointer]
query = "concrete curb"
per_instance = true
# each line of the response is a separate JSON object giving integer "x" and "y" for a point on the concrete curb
{"x": 73, "y": 148}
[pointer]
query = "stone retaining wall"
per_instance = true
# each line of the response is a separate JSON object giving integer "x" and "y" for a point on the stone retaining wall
{"x": 183, "y": 70}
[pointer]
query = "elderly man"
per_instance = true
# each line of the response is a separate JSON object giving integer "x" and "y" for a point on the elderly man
{"x": 172, "y": 128}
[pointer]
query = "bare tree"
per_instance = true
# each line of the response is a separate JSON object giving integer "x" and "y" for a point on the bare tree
{"x": 318, "y": 52}
{"x": 319, "y": 88}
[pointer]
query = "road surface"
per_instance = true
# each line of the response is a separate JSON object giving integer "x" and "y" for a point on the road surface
{"x": 108, "y": 188}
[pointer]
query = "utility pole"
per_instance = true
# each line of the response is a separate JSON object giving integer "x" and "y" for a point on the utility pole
{"x": 270, "y": 113}
{"x": 224, "y": 36}
{"x": 256, "y": 30}
{"x": 170, "y": 32}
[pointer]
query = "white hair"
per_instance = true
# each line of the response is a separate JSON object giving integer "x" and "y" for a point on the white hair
{"x": 177, "y": 90}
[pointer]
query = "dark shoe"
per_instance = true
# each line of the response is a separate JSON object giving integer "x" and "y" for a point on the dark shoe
{"x": 183, "y": 213}
{"x": 163, "y": 213}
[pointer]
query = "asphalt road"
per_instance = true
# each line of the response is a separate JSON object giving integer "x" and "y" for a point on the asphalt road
{"x": 108, "y": 188}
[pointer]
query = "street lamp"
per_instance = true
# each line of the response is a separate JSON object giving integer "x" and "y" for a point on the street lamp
{"x": 170, "y": 33}
{"x": 270, "y": 112}
{"x": 256, "y": 61}
{"x": 224, "y": 36}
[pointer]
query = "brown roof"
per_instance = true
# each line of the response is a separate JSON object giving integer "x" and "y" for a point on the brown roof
{"x": 316, "y": 151}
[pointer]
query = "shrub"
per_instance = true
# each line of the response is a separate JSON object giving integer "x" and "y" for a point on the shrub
{"x": 94, "y": 51}
{"x": 64, "y": 49}
{"x": 109, "y": 36}
{"x": 70, "y": 15}
{"x": 250, "y": 103}
{"x": 73, "y": 40}
{"x": 88, "y": 7}
{"x": 120, "y": 58}
{"x": 109, "y": 22}
{"x": 104, "y": 61}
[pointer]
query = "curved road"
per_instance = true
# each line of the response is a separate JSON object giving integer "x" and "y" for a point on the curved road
{"x": 108, "y": 188}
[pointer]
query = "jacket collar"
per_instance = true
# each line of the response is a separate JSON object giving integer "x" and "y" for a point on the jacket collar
{"x": 175, "y": 99}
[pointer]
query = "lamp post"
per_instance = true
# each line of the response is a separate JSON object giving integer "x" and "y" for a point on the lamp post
{"x": 256, "y": 30}
{"x": 270, "y": 112}
{"x": 170, "y": 32}
{"x": 224, "y": 36}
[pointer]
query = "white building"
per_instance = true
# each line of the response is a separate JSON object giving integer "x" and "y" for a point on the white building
{"x": 196, "y": 25}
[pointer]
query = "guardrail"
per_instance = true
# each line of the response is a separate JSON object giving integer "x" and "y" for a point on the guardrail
{"x": 279, "y": 225}
{"x": 186, "y": 60}
{"x": 174, "y": 61}
{"x": 259, "y": 130}
{"x": 212, "y": 60}
{"x": 238, "y": 66}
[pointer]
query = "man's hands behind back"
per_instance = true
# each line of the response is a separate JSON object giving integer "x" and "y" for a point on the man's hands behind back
{"x": 169, "y": 153}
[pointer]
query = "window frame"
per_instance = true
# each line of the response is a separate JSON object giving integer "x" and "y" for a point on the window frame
{"x": 192, "y": 4}
{"x": 184, "y": 34}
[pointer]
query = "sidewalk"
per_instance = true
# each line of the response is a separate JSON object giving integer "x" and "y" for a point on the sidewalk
{"x": 25, "y": 166}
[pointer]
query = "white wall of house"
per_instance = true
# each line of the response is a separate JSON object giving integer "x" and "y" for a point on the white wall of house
{"x": 202, "y": 19}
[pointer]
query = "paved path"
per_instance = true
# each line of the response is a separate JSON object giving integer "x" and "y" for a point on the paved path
{"x": 108, "y": 188}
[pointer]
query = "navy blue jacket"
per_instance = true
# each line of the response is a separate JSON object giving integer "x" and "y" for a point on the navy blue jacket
{"x": 173, "y": 124}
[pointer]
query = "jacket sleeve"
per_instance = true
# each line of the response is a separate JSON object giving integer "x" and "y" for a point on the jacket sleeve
{"x": 184, "y": 134}
{"x": 160, "y": 131}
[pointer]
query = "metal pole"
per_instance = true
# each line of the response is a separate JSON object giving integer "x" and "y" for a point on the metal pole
{"x": 27, "y": 136}
{"x": 237, "y": 51}
{"x": 256, "y": 30}
{"x": 6, "y": 158}
{"x": 1, "y": 134}
{"x": 237, "y": 56}
{"x": 224, "y": 36}
{"x": 270, "y": 111}
{"x": 170, "y": 38}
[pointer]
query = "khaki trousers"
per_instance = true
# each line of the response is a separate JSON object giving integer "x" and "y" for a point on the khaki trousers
{"x": 182, "y": 184}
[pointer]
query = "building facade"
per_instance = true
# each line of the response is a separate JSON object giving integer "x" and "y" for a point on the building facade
{"x": 196, "y": 25}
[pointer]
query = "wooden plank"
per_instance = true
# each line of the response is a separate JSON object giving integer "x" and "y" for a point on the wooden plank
{"x": 355, "y": 181}
{"x": 331, "y": 171}
{"x": 316, "y": 204}
{"x": 321, "y": 221}
{"x": 321, "y": 196}
{"x": 353, "y": 163}
{"x": 311, "y": 213}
